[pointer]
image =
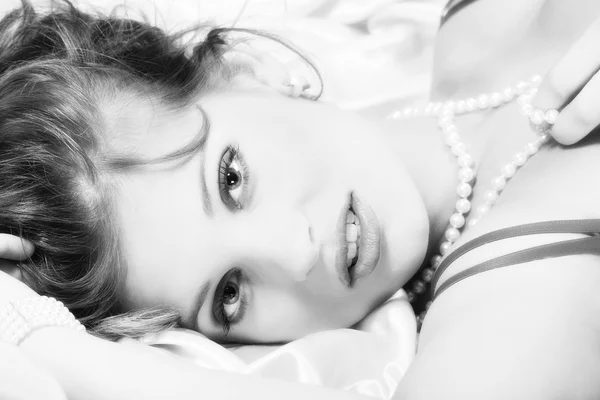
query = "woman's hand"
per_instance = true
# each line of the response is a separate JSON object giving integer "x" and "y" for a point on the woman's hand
{"x": 21, "y": 379}
{"x": 13, "y": 248}
{"x": 572, "y": 86}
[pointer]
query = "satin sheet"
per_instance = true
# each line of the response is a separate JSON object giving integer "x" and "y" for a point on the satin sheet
{"x": 370, "y": 359}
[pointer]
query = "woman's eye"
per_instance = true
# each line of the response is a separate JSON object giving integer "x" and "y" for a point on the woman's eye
{"x": 231, "y": 299}
{"x": 233, "y": 178}
{"x": 229, "y": 304}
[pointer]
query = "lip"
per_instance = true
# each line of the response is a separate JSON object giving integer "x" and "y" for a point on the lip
{"x": 369, "y": 246}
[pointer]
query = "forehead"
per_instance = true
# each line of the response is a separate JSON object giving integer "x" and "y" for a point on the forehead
{"x": 144, "y": 127}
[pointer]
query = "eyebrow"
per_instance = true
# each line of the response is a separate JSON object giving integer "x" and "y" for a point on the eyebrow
{"x": 205, "y": 132}
{"x": 198, "y": 303}
{"x": 206, "y": 199}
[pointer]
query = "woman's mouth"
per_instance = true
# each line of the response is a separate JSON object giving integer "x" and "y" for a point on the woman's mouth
{"x": 359, "y": 242}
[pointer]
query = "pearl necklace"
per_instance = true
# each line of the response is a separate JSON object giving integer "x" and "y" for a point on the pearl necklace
{"x": 540, "y": 121}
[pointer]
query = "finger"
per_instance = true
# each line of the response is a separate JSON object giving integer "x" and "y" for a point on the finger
{"x": 580, "y": 116}
{"x": 570, "y": 74}
{"x": 14, "y": 248}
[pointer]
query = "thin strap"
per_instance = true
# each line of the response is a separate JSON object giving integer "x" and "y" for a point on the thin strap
{"x": 584, "y": 226}
{"x": 588, "y": 245}
{"x": 452, "y": 7}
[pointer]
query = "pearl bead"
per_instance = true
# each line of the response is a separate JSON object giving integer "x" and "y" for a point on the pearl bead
{"x": 464, "y": 190}
{"x": 495, "y": 99}
{"x": 482, "y": 209}
{"x": 452, "y": 139}
{"x": 483, "y": 101}
{"x": 465, "y": 160}
{"x": 396, "y": 115}
{"x": 459, "y": 149}
{"x": 472, "y": 222}
{"x": 445, "y": 121}
{"x": 452, "y": 234}
{"x": 457, "y": 220}
{"x": 532, "y": 148}
{"x": 407, "y": 113}
{"x": 536, "y": 80}
{"x": 508, "y": 94}
{"x": 445, "y": 247}
{"x": 435, "y": 261}
{"x": 461, "y": 106}
{"x": 428, "y": 109}
{"x": 449, "y": 105}
{"x": 550, "y": 116}
{"x": 520, "y": 159}
{"x": 450, "y": 130}
{"x": 471, "y": 104}
{"x": 521, "y": 87}
{"x": 427, "y": 274}
{"x": 463, "y": 206}
{"x": 537, "y": 117}
{"x": 418, "y": 287}
{"x": 490, "y": 197}
{"x": 499, "y": 183}
{"x": 508, "y": 171}
{"x": 447, "y": 112}
{"x": 466, "y": 174}
{"x": 410, "y": 296}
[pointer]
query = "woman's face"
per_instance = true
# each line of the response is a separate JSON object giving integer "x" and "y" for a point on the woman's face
{"x": 251, "y": 238}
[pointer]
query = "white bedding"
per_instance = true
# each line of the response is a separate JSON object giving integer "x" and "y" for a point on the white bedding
{"x": 369, "y": 360}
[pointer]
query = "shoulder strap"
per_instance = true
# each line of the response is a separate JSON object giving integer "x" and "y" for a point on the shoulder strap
{"x": 452, "y": 7}
{"x": 590, "y": 245}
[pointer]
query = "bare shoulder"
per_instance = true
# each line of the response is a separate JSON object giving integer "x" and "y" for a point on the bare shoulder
{"x": 496, "y": 337}
{"x": 530, "y": 330}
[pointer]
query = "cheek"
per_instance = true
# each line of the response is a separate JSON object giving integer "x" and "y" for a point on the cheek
{"x": 279, "y": 313}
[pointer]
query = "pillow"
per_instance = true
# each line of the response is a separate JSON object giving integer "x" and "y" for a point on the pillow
{"x": 370, "y": 359}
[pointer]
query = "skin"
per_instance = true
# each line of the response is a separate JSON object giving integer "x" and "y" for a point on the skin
{"x": 302, "y": 161}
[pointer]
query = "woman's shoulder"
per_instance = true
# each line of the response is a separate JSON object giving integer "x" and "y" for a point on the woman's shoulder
{"x": 559, "y": 183}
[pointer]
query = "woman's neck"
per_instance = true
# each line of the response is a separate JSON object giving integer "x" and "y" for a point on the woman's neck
{"x": 431, "y": 166}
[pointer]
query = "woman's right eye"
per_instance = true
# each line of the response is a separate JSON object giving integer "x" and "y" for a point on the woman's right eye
{"x": 229, "y": 303}
{"x": 233, "y": 178}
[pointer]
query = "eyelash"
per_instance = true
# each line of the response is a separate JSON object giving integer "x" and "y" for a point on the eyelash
{"x": 233, "y": 154}
{"x": 220, "y": 302}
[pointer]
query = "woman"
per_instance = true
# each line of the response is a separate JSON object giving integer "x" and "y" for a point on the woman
{"x": 254, "y": 285}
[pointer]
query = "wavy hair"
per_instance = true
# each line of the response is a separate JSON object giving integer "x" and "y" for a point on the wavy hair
{"x": 56, "y": 69}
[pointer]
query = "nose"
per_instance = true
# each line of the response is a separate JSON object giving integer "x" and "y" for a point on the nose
{"x": 282, "y": 240}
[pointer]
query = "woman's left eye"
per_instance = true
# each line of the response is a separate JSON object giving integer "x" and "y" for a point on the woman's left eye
{"x": 233, "y": 178}
{"x": 230, "y": 304}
